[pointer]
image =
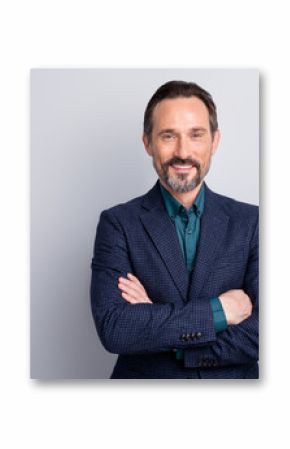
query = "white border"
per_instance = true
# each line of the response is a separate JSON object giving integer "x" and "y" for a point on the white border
{"x": 160, "y": 34}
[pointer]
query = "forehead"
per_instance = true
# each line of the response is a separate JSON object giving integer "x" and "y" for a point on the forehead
{"x": 180, "y": 112}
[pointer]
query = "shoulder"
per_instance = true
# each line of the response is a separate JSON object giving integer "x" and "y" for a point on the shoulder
{"x": 233, "y": 206}
{"x": 236, "y": 210}
{"x": 126, "y": 210}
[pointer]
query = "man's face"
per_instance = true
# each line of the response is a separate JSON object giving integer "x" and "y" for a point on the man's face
{"x": 181, "y": 142}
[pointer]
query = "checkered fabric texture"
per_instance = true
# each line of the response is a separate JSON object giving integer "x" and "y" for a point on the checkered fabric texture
{"x": 138, "y": 237}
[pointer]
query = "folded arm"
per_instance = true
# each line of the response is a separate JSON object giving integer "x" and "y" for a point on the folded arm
{"x": 141, "y": 327}
{"x": 126, "y": 328}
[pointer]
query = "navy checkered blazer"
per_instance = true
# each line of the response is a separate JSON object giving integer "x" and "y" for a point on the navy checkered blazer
{"x": 139, "y": 237}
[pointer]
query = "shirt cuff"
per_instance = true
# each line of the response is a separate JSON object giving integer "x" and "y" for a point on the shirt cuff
{"x": 219, "y": 317}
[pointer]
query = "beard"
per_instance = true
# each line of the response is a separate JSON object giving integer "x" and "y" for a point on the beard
{"x": 181, "y": 182}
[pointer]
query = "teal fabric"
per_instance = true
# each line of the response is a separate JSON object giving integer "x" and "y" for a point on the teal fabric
{"x": 187, "y": 225}
{"x": 220, "y": 321}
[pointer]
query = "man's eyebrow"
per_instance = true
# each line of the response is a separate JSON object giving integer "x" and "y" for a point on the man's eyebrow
{"x": 199, "y": 129}
{"x": 167, "y": 130}
{"x": 171, "y": 130}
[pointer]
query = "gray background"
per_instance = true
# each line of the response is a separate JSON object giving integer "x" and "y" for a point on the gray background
{"x": 86, "y": 156}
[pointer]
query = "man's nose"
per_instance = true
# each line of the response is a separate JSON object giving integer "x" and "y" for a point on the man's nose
{"x": 182, "y": 148}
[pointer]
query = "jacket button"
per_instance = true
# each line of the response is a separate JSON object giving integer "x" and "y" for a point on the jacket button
{"x": 192, "y": 334}
{"x": 188, "y": 337}
{"x": 183, "y": 337}
{"x": 198, "y": 334}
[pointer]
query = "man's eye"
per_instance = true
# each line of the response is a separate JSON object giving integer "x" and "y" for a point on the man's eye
{"x": 196, "y": 135}
{"x": 168, "y": 136}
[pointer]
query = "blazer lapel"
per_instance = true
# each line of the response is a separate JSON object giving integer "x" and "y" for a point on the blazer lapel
{"x": 213, "y": 227}
{"x": 163, "y": 234}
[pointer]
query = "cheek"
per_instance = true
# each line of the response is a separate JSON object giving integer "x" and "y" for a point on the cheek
{"x": 206, "y": 162}
{"x": 162, "y": 154}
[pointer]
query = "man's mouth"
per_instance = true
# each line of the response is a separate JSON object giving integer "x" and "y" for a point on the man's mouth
{"x": 181, "y": 167}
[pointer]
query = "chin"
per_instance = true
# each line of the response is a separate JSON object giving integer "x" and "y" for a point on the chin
{"x": 183, "y": 181}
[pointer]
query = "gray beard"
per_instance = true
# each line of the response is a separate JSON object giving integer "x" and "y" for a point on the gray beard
{"x": 179, "y": 185}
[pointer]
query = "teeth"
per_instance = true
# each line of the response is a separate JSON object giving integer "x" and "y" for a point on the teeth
{"x": 182, "y": 166}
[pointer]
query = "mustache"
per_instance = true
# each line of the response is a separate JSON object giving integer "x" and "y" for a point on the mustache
{"x": 177, "y": 160}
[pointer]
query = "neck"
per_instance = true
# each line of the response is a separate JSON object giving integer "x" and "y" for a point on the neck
{"x": 186, "y": 198}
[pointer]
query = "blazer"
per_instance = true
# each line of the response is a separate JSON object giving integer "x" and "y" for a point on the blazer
{"x": 139, "y": 237}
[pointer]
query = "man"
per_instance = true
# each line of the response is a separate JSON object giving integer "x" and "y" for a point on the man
{"x": 174, "y": 286}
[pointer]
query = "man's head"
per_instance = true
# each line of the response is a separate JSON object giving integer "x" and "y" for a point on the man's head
{"x": 181, "y": 134}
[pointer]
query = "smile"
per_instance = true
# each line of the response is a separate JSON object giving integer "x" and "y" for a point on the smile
{"x": 182, "y": 168}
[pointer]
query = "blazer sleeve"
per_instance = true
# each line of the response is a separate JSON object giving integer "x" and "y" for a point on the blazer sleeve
{"x": 239, "y": 343}
{"x": 125, "y": 328}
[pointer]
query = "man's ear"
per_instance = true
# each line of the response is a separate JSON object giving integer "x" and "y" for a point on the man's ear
{"x": 216, "y": 141}
{"x": 147, "y": 145}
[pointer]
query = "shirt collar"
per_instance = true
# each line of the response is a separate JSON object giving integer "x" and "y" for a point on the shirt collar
{"x": 174, "y": 207}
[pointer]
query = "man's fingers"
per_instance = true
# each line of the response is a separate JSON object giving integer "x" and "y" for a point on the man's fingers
{"x": 129, "y": 290}
{"x": 134, "y": 279}
{"x": 133, "y": 290}
{"x": 132, "y": 300}
{"x": 125, "y": 283}
{"x": 128, "y": 298}
{"x": 135, "y": 284}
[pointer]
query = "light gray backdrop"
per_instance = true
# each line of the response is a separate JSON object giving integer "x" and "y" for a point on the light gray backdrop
{"x": 86, "y": 156}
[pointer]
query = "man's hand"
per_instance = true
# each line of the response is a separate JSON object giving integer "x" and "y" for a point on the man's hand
{"x": 132, "y": 290}
{"x": 237, "y": 306}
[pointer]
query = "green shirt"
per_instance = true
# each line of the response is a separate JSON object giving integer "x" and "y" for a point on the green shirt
{"x": 187, "y": 225}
